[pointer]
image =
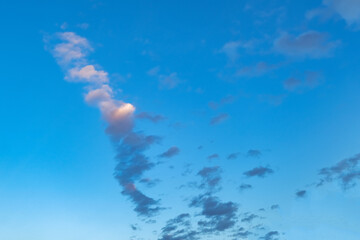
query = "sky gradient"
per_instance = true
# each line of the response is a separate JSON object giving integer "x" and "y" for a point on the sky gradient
{"x": 180, "y": 120}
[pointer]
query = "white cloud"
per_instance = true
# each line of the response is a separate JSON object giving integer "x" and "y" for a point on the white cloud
{"x": 88, "y": 74}
{"x": 72, "y": 48}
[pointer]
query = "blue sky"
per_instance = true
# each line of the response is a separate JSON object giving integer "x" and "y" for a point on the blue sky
{"x": 180, "y": 120}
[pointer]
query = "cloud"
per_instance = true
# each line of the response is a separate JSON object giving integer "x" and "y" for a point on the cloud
{"x": 73, "y": 47}
{"x": 348, "y": 10}
{"x": 219, "y": 216}
{"x": 213, "y": 156}
{"x": 346, "y": 171}
{"x": 272, "y": 235}
{"x": 243, "y": 187}
{"x": 211, "y": 177}
{"x": 257, "y": 70}
{"x": 310, "y": 44}
{"x": 179, "y": 228}
{"x": 249, "y": 218}
{"x": 226, "y": 100}
{"x": 242, "y": 233}
{"x": 171, "y": 152}
{"x": 219, "y": 118}
{"x": 301, "y": 193}
{"x": 253, "y": 153}
{"x": 231, "y": 49}
{"x": 258, "y": 172}
{"x": 275, "y": 206}
{"x": 70, "y": 51}
{"x": 169, "y": 81}
{"x": 149, "y": 182}
{"x": 232, "y": 156}
{"x": 87, "y": 74}
{"x": 151, "y": 117}
{"x": 311, "y": 80}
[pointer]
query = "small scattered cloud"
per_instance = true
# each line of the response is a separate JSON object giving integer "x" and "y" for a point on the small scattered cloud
{"x": 226, "y": 100}
{"x": 272, "y": 235}
{"x": 213, "y": 156}
{"x": 211, "y": 177}
{"x": 243, "y": 187}
{"x": 155, "y": 118}
{"x": 219, "y": 118}
{"x": 254, "y": 153}
{"x": 249, "y": 217}
{"x": 310, "y": 44}
{"x": 166, "y": 81}
{"x": 258, "y": 69}
{"x": 171, "y": 152}
{"x": 274, "y": 207}
{"x": 259, "y": 172}
{"x": 233, "y": 156}
{"x": 301, "y": 193}
{"x": 309, "y": 81}
{"x": 231, "y": 49}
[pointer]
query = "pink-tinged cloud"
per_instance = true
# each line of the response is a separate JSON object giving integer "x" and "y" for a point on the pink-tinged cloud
{"x": 87, "y": 74}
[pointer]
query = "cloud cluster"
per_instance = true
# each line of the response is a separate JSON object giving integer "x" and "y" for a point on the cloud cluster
{"x": 346, "y": 171}
{"x": 71, "y": 52}
{"x": 219, "y": 216}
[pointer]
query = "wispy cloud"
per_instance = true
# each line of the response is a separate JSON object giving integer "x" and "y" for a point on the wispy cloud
{"x": 219, "y": 118}
{"x": 171, "y": 152}
{"x": 155, "y": 118}
{"x": 310, "y": 44}
{"x": 349, "y": 10}
{"x": 346, "y": 171}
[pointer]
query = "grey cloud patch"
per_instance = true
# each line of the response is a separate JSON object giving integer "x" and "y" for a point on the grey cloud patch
{"x": 347, "y": 171}
{"x": 242, "y": 233}
{"x": 309, "y": 44}
{"x": 151, "y": 117}
{"x": 309, "y": 81}
{"x": 132, "y": 163}
{"x": 226, "y": 100}
{"x": 213, "y": 156}
{"x": 211, "y": 177}
{"x": 301, "y": 193}
{"x": 232, "y": 156}
{"x": 249, "y": 218}
{"x": 219, "y": 118}
{"x": 259, "y": 69}
{"x": 166, "y": 81}
{"x": 243, "y": 187}
{"x": 179, "y": 228}
{"x": 231, "y": 49}
{"x": 171, "y": 152}
{"x": 258, "y": 172}
{"x": 253, "y": 153}
{"x": 272, "y": 235}
{"x": 149, "y": 182}
{"x": 219, "y": 216}
{"x": 275, "y": 206}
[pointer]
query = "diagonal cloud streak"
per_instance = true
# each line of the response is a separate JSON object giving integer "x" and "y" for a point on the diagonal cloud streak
{"x": 70, "y": 51}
